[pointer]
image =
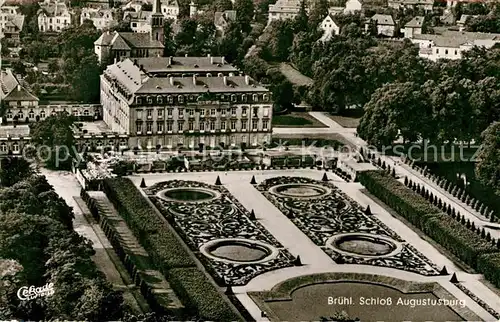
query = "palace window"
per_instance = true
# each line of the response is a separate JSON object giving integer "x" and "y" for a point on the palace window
{"x": 150, "y": 113}
{"x": 223, "y": 125}
{"x": 181, "y": 99}
{"x": 149, "y": 127}
{"x": 160, "y": 113}
{"x": 255, "y": 97}
{"x": 3, "y": 147}
{"x": 243, "y": 124}
{"x": 181, "y": 112}
{"x": 212, "y": 112}
{"x": 233, "y": 111}
{"x": 191, "y": 112}
{"x": 202, "y": 113}
{"x": 244, "y": 111}
{"x": 169, "y": 111}
{"x": 191, "y": 126}
{"x": 265, "y": 97}
{"x": 244, "y": 97}
{"x": 202, "y": 126}
{"x": 254, "y": 124}
{"x": 171, "y": 99}
{"x": 169, "y": 126}
{"x": 42, "y": 114}
{"x": 233, "y": 125}
{"x": 15, "y": 147}
{"x": 159, "y": 99}
{"x": 159, "y": 126}
{"x": 86, "y": 113}
{"x": 265, "y": 124}
{"x": 180, "y": 125}
{"x": 233, "y": 98}
{"x": 212, "y": 126}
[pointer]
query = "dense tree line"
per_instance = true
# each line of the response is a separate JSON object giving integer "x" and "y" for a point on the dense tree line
{"x": 37, "y": 246}
{"x": 488, "y": 167}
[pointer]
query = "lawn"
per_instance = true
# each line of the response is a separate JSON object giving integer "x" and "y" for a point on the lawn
{"x": 296, "y": 119}
{"x": 310, "y": 303}
{"x": 349, "y": 119}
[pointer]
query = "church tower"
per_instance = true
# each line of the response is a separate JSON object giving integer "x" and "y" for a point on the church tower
{"x": 157, "y": 22}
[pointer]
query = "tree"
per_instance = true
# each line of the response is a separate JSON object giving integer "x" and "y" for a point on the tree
{"x": 300, "y": 21}
{"x": 85, "y": 80}
{"x": 168, "y": 42}
{"x": 13, "y": 170}
{"x": 318, "y": 12}
{"x": 56, "y": 133}
{"x": 223, "y": 5}
{"x": 228, "y": 46}
{"x": 488, "y": 167}
{"x": 244, "y": 14}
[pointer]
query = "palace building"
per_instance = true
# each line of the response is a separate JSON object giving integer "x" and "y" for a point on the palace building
{"x": 191, "y": 107}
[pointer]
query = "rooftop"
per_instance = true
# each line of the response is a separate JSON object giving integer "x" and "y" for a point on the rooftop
{"x": 185, "y": 64}
{"x": 127, "y": 40}
{"x": 137, "y": 82}
{"x": 416, "y": 22}
{"x": 383, "y": 19}
{"x": 454, "y": 39}
{"x": 54, "y": 9}
{"x": 14, "y": 132}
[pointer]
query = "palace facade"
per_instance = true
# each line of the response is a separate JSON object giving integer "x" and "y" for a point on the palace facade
{"x": 185, "y": 111}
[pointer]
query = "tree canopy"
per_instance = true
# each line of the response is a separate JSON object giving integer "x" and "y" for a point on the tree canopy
{"x": 488, "y": 167}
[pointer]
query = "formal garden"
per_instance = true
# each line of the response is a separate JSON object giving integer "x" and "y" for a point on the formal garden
{"x": 223, "y": 234}
{"x": 337, "y": 224}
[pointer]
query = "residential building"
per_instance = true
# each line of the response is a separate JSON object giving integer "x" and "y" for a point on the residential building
{"x": 139, "y": 21}
{"x": 462, "y": 22}
{"x": 384, "y": 23}
{"x": 190, "y": 111}
{"x": 185, "y": 66}
{"x": 426, "y": 5}
{"x": 413, "y": 27}
{"x": 449, "y": 44}
{"x": 169, "y": 8}
{"x": 118, "y": 45}
{"x": 353, "y": 6}
{"x": 283, "y": 9}
{"x": 16, "y": 97}
{"x": 11, "y": 24}
{"x": 102, "y": 18}
{"x": 222, "y": 20}
{"x": 330, "y": 27}
{"x": 53, "y": 16}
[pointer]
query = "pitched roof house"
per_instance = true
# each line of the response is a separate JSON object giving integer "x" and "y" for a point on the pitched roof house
{"x": 14, "y": 91}
{"x": 330, "y": 27}
{"x": 223, "y": 19}
{"x": 11, "y": 23}
{"x": 413, "y": 27}
{"x": 102, "y": 18}
{"x": 385, "y": 25}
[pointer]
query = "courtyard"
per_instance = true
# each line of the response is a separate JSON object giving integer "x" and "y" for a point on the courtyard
{"x": 290, "y": 224}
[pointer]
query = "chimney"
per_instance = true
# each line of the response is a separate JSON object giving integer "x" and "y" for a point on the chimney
{"x": 224, "y": 79}
{"x": 158, "y": 55}
{"x": 247, "y": 80}
{"x": 115, "y": 60}
{"x": 170, "y": 60}
{"x": 208, "y": 55}
{"x": 194, "y": 80}
{"x": 171, "y": 78}
{"x": 223, "y": 60}
{"x": 211, "y": 60}
{"x": 18, "y": 87}
{"x": 185, "y": 55}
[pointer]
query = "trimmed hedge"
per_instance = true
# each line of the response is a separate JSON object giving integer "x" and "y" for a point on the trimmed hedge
{"x": 198, "y": 294}
{"x": 459, "y": 240}
{"x": 161, "y": 244}
{"x": 168, "y": 253}
{"x": 489, "y": 265}
{"x": 450, "y": 234}
{"x": 396, "y": 195}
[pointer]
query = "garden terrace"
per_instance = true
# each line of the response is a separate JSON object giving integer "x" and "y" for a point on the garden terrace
{"x": 218, "y": 220}
{"x": 324, "y": 213}
{"x": 152, "y": 284}
{"x": 168, "y": 253}
{"x": 444, "y": 229}
{"x": 297, "y": 299}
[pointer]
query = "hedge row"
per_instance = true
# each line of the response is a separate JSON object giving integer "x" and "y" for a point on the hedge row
{"x": 489, "y": 265}
{"x": 190, "y": 284}
{"x": 449, "y": 233}
{"x": 459, "y": 240}
{"x": 404, "y": 201}
{"x": 197, "y": 293}
{"x": 161, "y": 244}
